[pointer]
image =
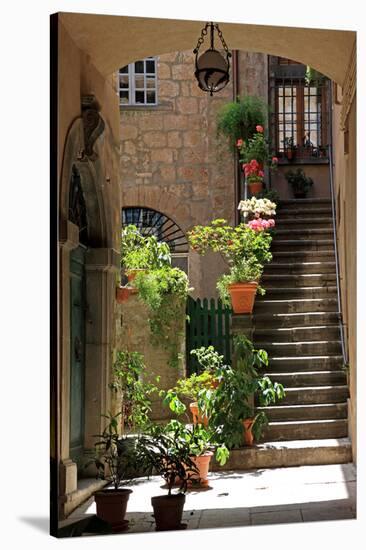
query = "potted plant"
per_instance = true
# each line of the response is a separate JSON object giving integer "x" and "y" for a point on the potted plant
{"x": 162, "y": 454}
{"x": 246, "y": 250}
{"x": 115, "y": 461}
{"x": 134, "y": 393}
{"x": 299, "y": 181}
{"x": 289, "y": 148}
{"x": 238, "y": 119}
{"x": 231, "y": 409}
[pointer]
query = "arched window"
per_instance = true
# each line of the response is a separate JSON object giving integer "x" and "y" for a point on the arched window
{"x": 152, "y": 222}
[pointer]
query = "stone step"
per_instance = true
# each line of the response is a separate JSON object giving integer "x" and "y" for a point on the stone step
{"x": 305, "y": 412}
{"x": 287, "y": 306}
{"x": 301, "y": 292}
{"x": 307, "y": 363}
{"x": 298, "y": 279}
{"x": 315, "y": 394}
{"x": 302, "y": 349}
{"x": 305, "y": 429}
{"x": 273, "y": 454}
{"x": 303, "y": 223}
{"x": 309, "y": 378}
{"x": 290, "y": 245}
{"x": 286, "y": 256}
{"x": 295, "y": 320}
{"x": 284, "y": 213}
{"x": 296, "y": 334}
{"x": 300, "y": 267}
{"x": 302, "y": 233}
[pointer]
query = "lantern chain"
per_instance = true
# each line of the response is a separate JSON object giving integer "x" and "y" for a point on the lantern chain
{"x": 204, "y": 33}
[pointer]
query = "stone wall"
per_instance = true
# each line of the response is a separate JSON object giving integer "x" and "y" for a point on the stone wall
{"x": 133, "y": 334}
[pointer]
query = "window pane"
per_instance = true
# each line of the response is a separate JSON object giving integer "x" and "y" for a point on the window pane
{"x": 123, "y": 81}
{"x": 123, "y": 97}
{"x": 124, "y": 69}
{"x": 151, "y": 96}
{"x": 150, "y": 66}
{"x": 139, "y": 97}
{"x": 150, "y": 82}
{"x": 139, "y": 81}
{"x": 139, "y": 67}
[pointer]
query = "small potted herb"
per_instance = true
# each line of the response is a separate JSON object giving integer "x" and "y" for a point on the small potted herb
{"x": 289, "y": 148}
{"x": 115, "y": 461}
{"x": 300, "y": 183}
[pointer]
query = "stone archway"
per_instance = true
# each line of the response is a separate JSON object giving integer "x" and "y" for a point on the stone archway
{"x": 101, "y": 263}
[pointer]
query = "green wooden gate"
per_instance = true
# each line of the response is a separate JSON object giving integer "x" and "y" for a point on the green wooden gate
{"x": 208, "y": 324}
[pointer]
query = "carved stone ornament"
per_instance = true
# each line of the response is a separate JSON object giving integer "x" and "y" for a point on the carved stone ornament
{"x": 93, "y": 125}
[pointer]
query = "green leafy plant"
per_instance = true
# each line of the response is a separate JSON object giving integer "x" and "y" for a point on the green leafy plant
{"x": 128, "y": 372}
{"x": 115, "y": 457}
{"x": 238, "y": 119}
{"x": 143, "y": 252}
{"x": 160, "y": 452}
{"x": 233, "y": 399}
{"x": 165, "y": 291}
{"x": 248, "y": 271}
{"x": 299, "y": 181}
{"x": 270, "y": 194}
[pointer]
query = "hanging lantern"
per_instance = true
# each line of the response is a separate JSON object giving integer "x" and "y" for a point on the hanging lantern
{"x": 212, "y": 69}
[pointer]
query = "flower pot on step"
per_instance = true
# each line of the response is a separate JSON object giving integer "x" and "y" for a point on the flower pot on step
{"x": 248, "y": 434}
{"x": 243, "y": 296}
{"x": 111, "y": 507}
{"x": 168, "y": 511}
{"x": 202, "y": 462}
{"x": 255, "y": 187}
{"x": 123, "y": 293}
{"x": 197, "y": 418}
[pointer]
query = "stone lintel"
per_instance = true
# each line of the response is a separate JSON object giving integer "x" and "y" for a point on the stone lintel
{"x": 102, "y": 259}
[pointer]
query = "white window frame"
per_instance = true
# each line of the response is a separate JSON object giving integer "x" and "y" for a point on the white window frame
{"x": 132, "y": 88}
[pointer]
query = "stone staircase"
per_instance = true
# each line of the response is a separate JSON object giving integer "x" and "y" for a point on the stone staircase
{"x": 296, "y": 321}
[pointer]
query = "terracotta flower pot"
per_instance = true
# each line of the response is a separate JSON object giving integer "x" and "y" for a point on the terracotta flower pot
{"x": 197, "y": 418}
{"x": 248, "y": 434}
{"x": 168, "y": 511}
{"x": 111, "y": 507}
{"x": 122, "y": 294}
{"x": 255, "y": 187}
{"x": 202, "y": 463}
{"x": 243, "y": 296}
{"x": 131, "y": 273}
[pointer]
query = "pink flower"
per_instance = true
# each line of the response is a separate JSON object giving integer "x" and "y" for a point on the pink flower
{"x": 261, "y": 173}
{"x": 271, "y": 222}
{"x": 239, "y": 143}
{"x": 259, "y": 128}
{"x": 274, "y": 160}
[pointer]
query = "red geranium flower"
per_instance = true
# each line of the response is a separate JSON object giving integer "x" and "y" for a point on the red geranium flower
{"x": 259, "y": 128}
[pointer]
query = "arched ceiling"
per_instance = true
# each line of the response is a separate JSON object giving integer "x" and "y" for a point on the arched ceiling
{"x": 114, "y": 41}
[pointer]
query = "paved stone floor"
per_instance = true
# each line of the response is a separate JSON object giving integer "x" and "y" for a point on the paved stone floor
{"x": 256, "y": 497}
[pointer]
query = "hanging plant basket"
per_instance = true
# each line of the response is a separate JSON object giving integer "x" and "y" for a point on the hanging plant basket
{"x": 243, "y": 296}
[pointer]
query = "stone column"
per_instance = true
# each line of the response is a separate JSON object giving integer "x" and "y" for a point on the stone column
{"x": 102, "y": 264}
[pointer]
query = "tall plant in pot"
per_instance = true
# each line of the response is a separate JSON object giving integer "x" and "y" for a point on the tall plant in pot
{"x": 232, "y": 408}
{"x": 245, "y": 249}
{"x": 116, "y": 463}
{"x": 299, "y": 182}
{"x": 160, "y": 453}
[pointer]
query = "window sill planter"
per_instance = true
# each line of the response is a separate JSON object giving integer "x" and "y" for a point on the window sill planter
{"x": 243, "y": 296}
{"x": 168, "y": 511}
{"x": 111, "y": 507}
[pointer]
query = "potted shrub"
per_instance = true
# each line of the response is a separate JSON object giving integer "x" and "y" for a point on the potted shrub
{"x": 238, "y": 119}
{"x": 115, "y": 461}
{"x": 299, "y": 181}
{"x": 245, "y": 249}
{"x": 162, "y": 454}
{"x": 231, "y": 409}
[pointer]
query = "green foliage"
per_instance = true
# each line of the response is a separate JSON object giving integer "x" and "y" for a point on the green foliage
{"x": 231, "y": 402}
{"x": 161, "y": 452}
{"x": 238, "y": 119}
{"x": 140, "y": 252}
{"x": 270, "y": 194}
{"x": 187, "y": 387}
{"x": 255, "y": 148}
{"x": 208, "y": 358}
{"x": 165, "y": 291}
{"x": 128, "y": 371}
{"x": 299, "y": 181}
{"x": 115, "y": 457}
